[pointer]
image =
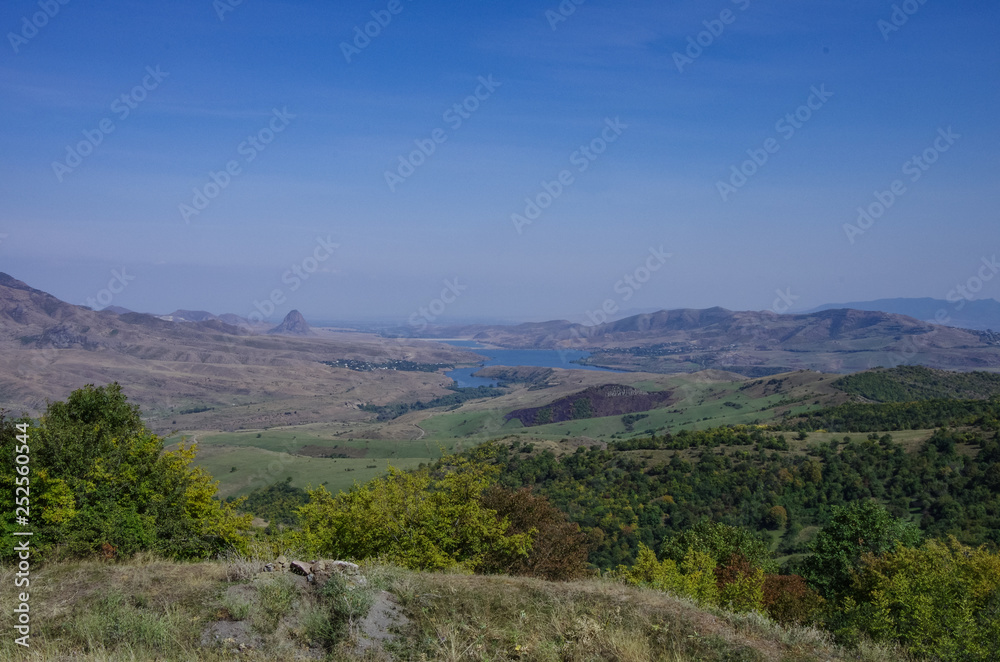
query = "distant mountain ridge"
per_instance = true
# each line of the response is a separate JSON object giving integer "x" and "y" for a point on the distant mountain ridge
{"x": 753, "y": 343}
{"x": 977, "y": 314}
{"x": 194, "y": 316}
{"x": 49, "y": 347}
{"x": 686, "y": 324}
{"x": 189, "y": 316}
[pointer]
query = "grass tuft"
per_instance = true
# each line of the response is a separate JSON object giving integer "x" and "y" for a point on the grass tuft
{"x": 161, "y": 610}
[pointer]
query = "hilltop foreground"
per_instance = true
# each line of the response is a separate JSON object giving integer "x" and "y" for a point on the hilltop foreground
{"x": 149, "y": 608}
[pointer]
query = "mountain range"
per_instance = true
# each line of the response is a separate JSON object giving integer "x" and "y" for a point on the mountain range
{"x": 240, "y": 375}
{"x": 227, "y": 374}
{"x": 753, "y": 343}
{"x": 978, "y": 314}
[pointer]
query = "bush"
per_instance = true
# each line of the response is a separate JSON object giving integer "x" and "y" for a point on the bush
{"x": 720, "y": 542}
{"x": 740, "y": 585}
{"x": 693, "y": 577}
{"x": 789, "y": 600}
{"x": 102, "y": 485}
{"x": 856, "y": 529}
{"x": 939, "y": 601}
{"x": 558, "y": 550}
{"x": 413, "y": 519}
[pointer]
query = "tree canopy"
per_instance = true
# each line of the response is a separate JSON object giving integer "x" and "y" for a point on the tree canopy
{"x": 101, "y": 482}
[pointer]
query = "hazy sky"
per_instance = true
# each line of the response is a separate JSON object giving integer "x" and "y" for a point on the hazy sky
{"x": 372, "y": 175}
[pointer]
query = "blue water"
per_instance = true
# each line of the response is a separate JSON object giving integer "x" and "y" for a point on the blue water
{"x": 536, "y": 358}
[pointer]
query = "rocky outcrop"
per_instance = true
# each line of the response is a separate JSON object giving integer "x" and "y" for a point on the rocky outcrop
{"x": 369, "y": 633}
{"x": 319, "y": 572}
{"x": 294, "y": 324}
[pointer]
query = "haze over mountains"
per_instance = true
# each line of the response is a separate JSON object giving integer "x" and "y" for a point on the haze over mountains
{"x": 978, "y": 314}
{"x": 196, "y": 360}
{"x": 974, "y": 314}
{"x": 50, "y": 347}
{"x": 754, "y": 343}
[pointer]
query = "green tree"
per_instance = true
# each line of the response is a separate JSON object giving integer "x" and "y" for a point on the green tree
{"x": 776, "y": 517}
{"x": 720, "y": 541}
{"x": 863, "y": 527}
{"x": 940, "y": 601}
{"x": 582, "y": 409}
{"x": 558, "y": 550}
{"x": 693, "y": 577}
{"x": 277, "y": 503}
{"x": 100, "y": 482}
{"x": 416, "y": 519}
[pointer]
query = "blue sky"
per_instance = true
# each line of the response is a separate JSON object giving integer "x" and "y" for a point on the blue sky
{"x": 198, "y": 88}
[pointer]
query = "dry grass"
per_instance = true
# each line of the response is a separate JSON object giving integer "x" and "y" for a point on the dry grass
{"x": 151, "y": 609}
{"x": 503, "y": 618}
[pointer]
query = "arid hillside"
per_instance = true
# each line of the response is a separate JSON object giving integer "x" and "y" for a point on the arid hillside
{"x": 202, "y": 375}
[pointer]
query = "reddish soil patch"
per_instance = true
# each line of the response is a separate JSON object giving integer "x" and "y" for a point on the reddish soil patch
{"x": 594, "y": 402}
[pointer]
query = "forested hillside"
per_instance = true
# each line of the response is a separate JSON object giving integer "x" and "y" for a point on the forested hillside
{"x": 870, "y": 538}
{"x": 916, "y": 382}
{"x": 623, "y": 497}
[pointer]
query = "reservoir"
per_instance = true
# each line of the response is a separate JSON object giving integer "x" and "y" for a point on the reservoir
{"x": 535, "y": 358}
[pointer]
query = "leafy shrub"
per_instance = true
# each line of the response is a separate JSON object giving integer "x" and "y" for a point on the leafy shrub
{"x": 854, "y": 530}
{"x": 102, "y": 485}
{"x": 740, "y": 585}
{"x": 789, "y": 600}
{"x": 558, "y": 550}
{"x": 693, "y": 577}
{"x": 414, "y": 519}
{"x": 720, "y": 541}
{"x": 939, "y": 601}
